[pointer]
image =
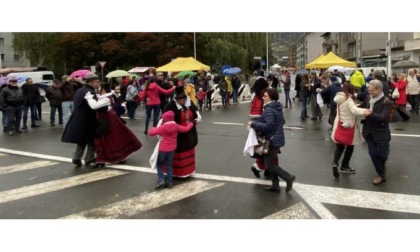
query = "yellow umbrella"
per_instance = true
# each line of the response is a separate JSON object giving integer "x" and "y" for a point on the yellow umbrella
{"x": 183, "y": 64}
{"x": 117, "y": 73}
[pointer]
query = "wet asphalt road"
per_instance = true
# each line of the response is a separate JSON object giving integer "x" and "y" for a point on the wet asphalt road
{"x": 223, "y": 186}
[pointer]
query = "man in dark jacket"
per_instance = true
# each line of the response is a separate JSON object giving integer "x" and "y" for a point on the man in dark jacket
{"x": 376, "y": 127}
{"x": 68, "y": 89}
{"x": 54, "y": 96}
{"x": 330, "y": 92}
{"x": 31, "y": 95}
{"x": 316, "y": 110}
{"x": 11, "y": 100}
{"x": 236, "y": 84}
{"x": 82, "y": 123}
{"x": 164, "y": 99}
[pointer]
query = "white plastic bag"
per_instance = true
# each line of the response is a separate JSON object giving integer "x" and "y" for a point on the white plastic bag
{"x": 319, "y": 100}
{"x": 251, "y": 141}
{"x": 395, "y": 94}
{"x": 154, "y": 157}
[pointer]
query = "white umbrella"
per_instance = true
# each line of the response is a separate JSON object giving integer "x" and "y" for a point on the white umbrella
{"x": 339, "y": 68}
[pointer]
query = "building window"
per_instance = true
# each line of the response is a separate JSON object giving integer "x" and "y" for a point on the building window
{"x": 2, "y": 57}
{"x": 16, "y": 57}
{"x": 1, "y": 41}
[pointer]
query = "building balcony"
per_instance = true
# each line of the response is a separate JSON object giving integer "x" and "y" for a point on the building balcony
{"x": 411, "y": 45}
{"x": 373, "y": 52}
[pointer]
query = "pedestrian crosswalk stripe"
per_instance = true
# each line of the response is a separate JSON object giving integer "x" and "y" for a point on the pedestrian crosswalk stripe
{"x": 147, "y": 201}
{"x": 33, "y": 190}
{"x": 3, "y": 155}
{"x": 364, "y": 199}
{"x": 25, "y": 166}
{"x": 297, "y": 211}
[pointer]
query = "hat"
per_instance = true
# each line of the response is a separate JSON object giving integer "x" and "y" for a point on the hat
{"x": 64, "y": 77}
{"x": 13, "y": 79}
{"x": 91, "y": 77}
{"x": 378, "y": 73}
{"x": 159, "y": 73}
{"x": 179, "y": 93}
{"x": 168, "y": 116}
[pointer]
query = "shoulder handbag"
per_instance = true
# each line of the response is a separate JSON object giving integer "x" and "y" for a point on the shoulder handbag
{"x": 344, "y": 134}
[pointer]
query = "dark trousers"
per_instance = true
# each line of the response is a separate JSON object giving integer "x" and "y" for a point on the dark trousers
{"x": 288, "y": 100}
{"x": 339, "y": 149}
{"x": 275, "y": 170}
{"x": 156, "y": 112}
{"x": 80, "y": 149}
{"x": 200, "y": 104}
{"x": 39, "y": 109}
{"x": 304, "y": 109}
{"x": 131, "y": 109}
{"x": 208, "y": 100}
{"x": 14, "y": 116}
{"x": 414, "y": 102}
{"x": 379, "y": 154}
{"x": 60, "y": 114}
{"x": 26, "y": 109}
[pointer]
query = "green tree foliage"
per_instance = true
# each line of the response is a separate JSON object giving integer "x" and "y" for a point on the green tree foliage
{"x": 66, "y": 52}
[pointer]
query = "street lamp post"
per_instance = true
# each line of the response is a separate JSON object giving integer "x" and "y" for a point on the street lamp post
{"x": 102, "y": 64}
{"x": 267, "y": 51}
{"x": 195, "y": 50}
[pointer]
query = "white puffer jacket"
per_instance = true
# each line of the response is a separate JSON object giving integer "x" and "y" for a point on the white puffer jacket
{"x": 348, "y": 115}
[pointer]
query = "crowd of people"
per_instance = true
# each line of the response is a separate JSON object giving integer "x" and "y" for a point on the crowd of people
{"x": 90, "y": 112}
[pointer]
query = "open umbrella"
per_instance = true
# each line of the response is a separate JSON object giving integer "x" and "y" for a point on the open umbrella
{"x": 405, "y": 64}
{"x": 117, "y": 73}
{"x": 339, "y": 68}
{"x": 302, "y": 71}
{"x": 232, "y": 71}
{"x": 185, "y": 73}
{"x": 81, "y": 73}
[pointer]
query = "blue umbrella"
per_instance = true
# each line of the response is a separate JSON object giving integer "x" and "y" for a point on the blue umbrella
{"x": 302, "y": 71}
{"x": 232, "y": 71}
{"x": 225, "y": 67}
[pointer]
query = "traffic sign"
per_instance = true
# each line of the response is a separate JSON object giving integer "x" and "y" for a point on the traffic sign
{"x": 102, "y": 63}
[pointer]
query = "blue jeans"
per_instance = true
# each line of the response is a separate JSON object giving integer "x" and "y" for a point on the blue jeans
{"x": 235, "y": 94}
{"x": 165, "y": 158}
{"x": 304, "y": 110}
{"x": 25, "y": 114}
{"x": 156, "y": 112}
{"x": 60, "y": 114}
{"x": 67, "y": 107}
{"x": 287, "y": 94}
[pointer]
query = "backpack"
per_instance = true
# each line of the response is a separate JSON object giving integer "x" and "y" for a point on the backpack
{"x": 393, "y": 116}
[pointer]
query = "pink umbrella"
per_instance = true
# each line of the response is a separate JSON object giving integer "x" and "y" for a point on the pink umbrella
{"x": 80, "y": 73}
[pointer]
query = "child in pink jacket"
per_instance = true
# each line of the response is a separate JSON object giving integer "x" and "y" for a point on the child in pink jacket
{"x": 168, "y": 133}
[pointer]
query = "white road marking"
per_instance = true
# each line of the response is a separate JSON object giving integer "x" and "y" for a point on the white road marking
{"x": 148, "y": 201}
{"x": 404, "y": 135}
{"x": 33, "y": 190}
{"x": 3, "y": 155}
{"x": 228, "y": 123}
{"x": 366, "y": 199}
{"x": 25, "y": 166}
{"x": 313, "y": 195}
{"x": 297, "y": 211}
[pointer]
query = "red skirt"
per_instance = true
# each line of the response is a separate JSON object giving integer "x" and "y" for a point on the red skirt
{"x": 118, "y": 144}
{"x": 183, "y": 164}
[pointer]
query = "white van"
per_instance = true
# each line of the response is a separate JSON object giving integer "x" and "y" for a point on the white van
{"x": 41, "y": 77}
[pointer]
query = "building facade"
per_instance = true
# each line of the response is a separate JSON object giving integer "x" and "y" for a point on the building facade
{"x": 9, "y": 58}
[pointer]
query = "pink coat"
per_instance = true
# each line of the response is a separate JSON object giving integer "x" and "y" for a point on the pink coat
{"x": 169, "y": 132}
{"x": 151, "y": 95}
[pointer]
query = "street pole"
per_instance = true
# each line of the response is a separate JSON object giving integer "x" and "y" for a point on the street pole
{"x": 267, "y": 50}
{"x": 388, "y": 49}
{"x": 102, "y": 74}
{"x": 195, "y": 50}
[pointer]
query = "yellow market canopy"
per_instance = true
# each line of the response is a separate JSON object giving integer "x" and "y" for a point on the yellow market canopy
{"x": 330, "y": 60}
{"x": 309, "y": 65}
{"x": 183, "y": 64}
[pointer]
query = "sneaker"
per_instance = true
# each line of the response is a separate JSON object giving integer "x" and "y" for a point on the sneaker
{"x": 21, "y": 131}
{"x": 34, "y": 126}
{"x": 347, "y": 170}
{"x": 335, "y": 170}
{"x": 24, "y": 127}
{"x": 160, "y": 184}
{"x": 52, "y": 124}
{"x": 168, "y": 185}
{"x": 289, "y": 183}
{"x": 10, "y": 133}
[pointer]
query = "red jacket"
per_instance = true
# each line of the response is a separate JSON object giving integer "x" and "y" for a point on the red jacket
{"x": 169, "y": 132}
{"x": 401, "y": 85}
{"x": 152, "y": 94}
{"x": 201, "y": 95}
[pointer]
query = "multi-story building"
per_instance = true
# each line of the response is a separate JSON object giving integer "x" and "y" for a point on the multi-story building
{"x": 9, "y": 58}
{"x": 367, "y": 49}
